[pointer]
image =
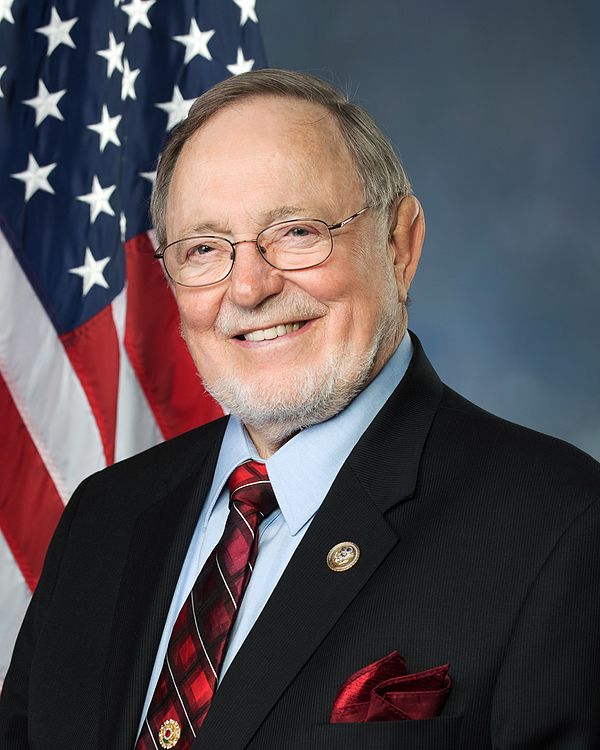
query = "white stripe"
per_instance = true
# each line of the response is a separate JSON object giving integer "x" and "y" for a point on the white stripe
{"x": 151, "y": 735}
{"x": 225, "y": 582}
{"x": 241, "y": 515}
{"x": 250, "y": 484}
{"x": 136, "y": 426}
{"x": 179, "y": 696}
{"x": 200, "y": 637}
{"x": 43, "y": 385}
{"x": 14, "y": 598}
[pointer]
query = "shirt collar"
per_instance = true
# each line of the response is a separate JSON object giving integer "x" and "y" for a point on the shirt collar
{"x": 304, "y": 468}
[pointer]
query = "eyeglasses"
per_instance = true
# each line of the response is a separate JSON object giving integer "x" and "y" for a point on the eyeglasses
{"x": 288, "y": 246}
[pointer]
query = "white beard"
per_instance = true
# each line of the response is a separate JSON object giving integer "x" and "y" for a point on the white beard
{"x": 279, "y": 411}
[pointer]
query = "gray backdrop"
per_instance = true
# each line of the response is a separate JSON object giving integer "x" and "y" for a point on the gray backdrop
{"x": 493, "y": 108}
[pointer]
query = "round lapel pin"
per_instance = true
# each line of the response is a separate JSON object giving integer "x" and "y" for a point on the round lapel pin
{"x": 343, "y": 556}
{"x": 169, "y": 733}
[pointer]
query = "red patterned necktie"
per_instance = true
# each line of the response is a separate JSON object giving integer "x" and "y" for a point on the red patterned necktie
{"x": 197, "y": 646}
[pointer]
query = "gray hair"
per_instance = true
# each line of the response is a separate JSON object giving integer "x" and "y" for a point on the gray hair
{"x": 381, "y": 174}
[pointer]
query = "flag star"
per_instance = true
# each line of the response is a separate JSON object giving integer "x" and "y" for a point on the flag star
{"x": 57, "y": 32}
{"x": 128, "y": 81}
{"x": 196, "y": 42}
{"x": 5, "y": 11}
{"x": 247, "y": 8}
{"x": 35, "y": 177}
{"x": 177, "y": 108}
{"x": 2, "y": 71}
{"x": 113, "y": 54}
{"x": 45, "y": 103}
{"x": 150, "y": 176}
{"x": 107, "y": 129}
{"x": 242, "y": 65}
{"x": 98, "y": 199}
{"x": 137, "y": 10}
{"x": 91, "y": 271}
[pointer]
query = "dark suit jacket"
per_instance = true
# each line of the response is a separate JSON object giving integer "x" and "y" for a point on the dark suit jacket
{"x": 479, "y": 547}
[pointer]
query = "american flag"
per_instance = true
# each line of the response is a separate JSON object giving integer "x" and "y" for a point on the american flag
{"x": 92, "y": 368}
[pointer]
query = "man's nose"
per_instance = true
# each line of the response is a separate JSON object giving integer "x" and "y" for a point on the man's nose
{"x": 252, "y": 279}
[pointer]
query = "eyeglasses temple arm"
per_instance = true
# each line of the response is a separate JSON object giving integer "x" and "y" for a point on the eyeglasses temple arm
{"x": 341, "y": 224}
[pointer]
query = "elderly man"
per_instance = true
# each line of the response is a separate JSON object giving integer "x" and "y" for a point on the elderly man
{"x": 357, "y": 557}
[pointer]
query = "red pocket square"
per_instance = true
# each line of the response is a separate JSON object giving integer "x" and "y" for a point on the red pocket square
{"x": 382, "y": 691}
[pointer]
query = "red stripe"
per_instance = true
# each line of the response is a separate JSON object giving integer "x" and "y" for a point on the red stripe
{"x": 157, "y": 352}
{"x": 30, "y": 506}
{"x": 93, "y": 349}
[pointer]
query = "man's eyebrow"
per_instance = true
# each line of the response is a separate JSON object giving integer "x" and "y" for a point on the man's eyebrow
{"x": 280, "y": 213}
{"x": 206, "y": 227}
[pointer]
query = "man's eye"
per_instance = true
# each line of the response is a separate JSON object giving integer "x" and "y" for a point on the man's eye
{"x": 300, "y": 231}
{"x": 201, "y": 250}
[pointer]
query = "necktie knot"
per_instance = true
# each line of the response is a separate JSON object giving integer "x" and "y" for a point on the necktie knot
{"x": 249, "y": 484}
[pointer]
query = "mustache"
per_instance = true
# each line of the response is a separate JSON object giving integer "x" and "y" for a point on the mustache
{"x": 287, "y": 306}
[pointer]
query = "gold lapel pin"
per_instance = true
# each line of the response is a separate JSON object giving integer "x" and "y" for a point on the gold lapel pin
{"x": 343, "y": 556}
{"x": 169, "y": 733}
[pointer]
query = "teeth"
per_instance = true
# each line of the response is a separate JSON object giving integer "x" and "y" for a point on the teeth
{"x": 272, "y": 333}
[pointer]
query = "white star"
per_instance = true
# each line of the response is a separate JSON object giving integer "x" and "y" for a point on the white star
{"x": 128, "y": 81}
{"x": 98, "y": 199}
{"x": 247, "y": 8}
{"x": 107, "y": 129}
{"x": 196, "y": 42}
{"x": 57, "y": 32}
{"x": 242, "y": 65}
{"x": 91, "y": 271}
{"x": 5, "y": 11}
{"x": 2, "y": 70}
{"x": 45, "y": 103}
{"x": 177, "y": 108}
{"x": 113, "y": 54}
{"x": 35, "y": 177}
{"x": 150, "y": 176}
{"x": 137, "y": 10}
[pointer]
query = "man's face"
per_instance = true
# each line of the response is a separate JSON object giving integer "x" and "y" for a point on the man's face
{"x": 254, "y": 163}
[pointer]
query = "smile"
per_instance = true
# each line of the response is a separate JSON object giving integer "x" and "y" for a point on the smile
{"x": 272, "y": 333}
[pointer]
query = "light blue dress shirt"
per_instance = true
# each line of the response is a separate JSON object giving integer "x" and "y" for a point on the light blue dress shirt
{"x": 301, "y": 472}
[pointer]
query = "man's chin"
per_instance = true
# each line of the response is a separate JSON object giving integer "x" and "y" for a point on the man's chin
{"x": 309, "y": 398}
{"x": 280, "y": 416}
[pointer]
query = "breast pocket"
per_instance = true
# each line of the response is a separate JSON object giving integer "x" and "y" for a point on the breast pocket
{"x": 441, "y": 733}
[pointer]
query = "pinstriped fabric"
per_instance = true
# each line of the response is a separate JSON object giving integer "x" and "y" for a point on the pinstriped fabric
{"x": 199, "y": 639}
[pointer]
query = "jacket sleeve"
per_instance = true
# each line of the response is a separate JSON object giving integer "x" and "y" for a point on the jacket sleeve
{"x": 14, "y": 698}
{"x": 547, "y": 695}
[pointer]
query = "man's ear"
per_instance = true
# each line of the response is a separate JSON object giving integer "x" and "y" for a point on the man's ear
{"x": 406, "y": 240}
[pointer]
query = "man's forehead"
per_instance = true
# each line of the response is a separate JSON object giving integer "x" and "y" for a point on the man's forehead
{"x": 288, "y": 116}
{"x": 263, "y": 154}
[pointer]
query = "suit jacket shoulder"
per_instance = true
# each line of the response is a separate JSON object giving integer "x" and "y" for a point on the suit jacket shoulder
{"x": 161, "y": 467}
{"x": 525, "y": 467}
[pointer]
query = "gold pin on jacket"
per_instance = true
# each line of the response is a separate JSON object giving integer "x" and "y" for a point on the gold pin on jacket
{"x": 343, "y": 556}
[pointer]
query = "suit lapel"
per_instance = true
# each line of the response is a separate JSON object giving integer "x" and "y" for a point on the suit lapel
{"x": 158, "y": 547}
{"x": 310, "y": 598}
